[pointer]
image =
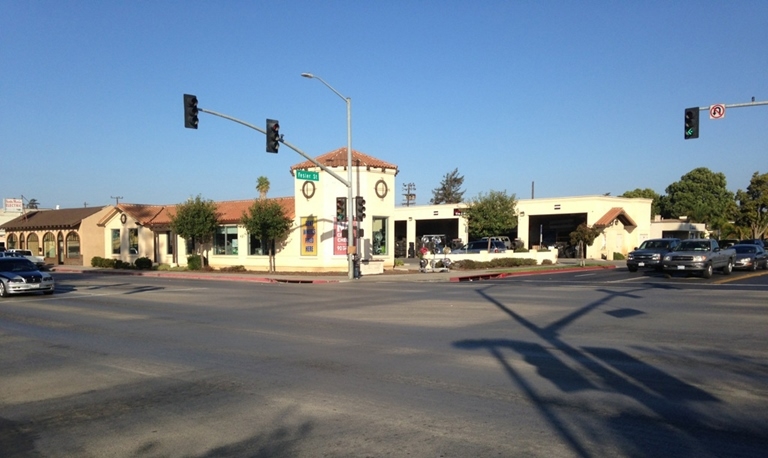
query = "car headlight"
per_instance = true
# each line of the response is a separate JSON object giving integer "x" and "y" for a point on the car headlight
{"x": 656, "y": 256}
{"x": 668, "y": 257}
{"x": 16, "y": 280}
{"x": 630, "y": 256}
{"x": 699, "y": 258}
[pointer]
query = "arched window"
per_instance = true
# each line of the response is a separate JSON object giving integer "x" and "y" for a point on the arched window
{"x": 33, "y": 243}
{"x": 22, "y": 245}
{"x": 11, "y": 242}
{"x": 73, "y": 245}
{"x": 49, "y": 245}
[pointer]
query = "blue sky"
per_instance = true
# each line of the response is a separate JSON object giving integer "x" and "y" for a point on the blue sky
{"x": 580, "y": 97}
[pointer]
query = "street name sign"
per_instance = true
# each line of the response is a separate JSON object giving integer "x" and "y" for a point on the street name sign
{"x": 307, "y": 175}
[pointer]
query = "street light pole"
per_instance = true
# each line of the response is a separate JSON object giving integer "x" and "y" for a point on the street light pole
{"x": 350, "y": 196}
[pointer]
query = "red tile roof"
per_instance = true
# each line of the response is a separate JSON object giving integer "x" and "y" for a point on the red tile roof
{"x": 338, "y": 158}
{"x": 613, "y": 214}
{"x": 230, "y": 211}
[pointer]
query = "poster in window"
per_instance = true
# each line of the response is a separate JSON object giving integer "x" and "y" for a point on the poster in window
{"x": 339, "y": 240}
{"x": 308, "y": 236}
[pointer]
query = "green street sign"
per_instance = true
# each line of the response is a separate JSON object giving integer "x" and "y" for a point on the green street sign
{"x": 307, "y": 175}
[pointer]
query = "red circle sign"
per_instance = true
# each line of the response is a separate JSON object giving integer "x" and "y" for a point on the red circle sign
{"x": 717, "y": 111}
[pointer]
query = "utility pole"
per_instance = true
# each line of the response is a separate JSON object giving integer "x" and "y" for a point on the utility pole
{"x": 117, "y": 199}
{"x": 409, "y": 195}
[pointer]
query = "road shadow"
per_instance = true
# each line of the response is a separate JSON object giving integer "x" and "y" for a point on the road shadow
{"x": 662, "y": 418}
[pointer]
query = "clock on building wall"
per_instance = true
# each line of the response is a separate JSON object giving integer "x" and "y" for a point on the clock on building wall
{"x": 308, "y": 189}
{"x": 381, "y": 189}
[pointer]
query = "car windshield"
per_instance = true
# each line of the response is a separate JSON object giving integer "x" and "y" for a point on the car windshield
{"x": 745, "y": 249}
{"x": 693, "y": 246}
{"x": 648, "y": 244}
{"x": 16, "y": 265}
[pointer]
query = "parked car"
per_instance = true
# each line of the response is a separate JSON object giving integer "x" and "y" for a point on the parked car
{"x": 650, "y": 253}
{"x": 36, "y": 260}
{"x": 701, "y": 256}
{"x": 19, "y": 275}
{"x": 477, "y": 246}
{"x": 759, "y": 242}
{"x": 727, "y": 243}
{"x": 509, "y": 244}
{"x": 750, "y": 257}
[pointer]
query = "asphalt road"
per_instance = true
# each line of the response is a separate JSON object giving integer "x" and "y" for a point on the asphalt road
{"x": 572, "y": 364}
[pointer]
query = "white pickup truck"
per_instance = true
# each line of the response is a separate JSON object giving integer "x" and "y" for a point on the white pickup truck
{"x": 36, "y": 260}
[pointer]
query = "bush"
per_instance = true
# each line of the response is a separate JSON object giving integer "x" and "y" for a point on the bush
{"x": 194, "y": 262}
{"x": 97, "y": 261}
{"x": 521, "y": 250}
{"x": 399, "y": 262}
{"x": 233, "y": 269}
{"x": 118, "y": 264}
{"x": 618, "y": 257}
{"x": 143, "y": 263}
{"x": 547, "y": 262}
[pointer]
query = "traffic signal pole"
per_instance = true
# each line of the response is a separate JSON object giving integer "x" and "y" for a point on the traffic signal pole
{"x": 695, "y": 134}
{"x": 302, "y": 153}
{"x": 347, "y": 182}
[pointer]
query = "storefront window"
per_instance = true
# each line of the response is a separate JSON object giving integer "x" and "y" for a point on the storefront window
{"x": 379, "y": 236}
{"x": 258, "y": 246}
{"x": 73, "y": 245}
{"x": 115, "y": 241}
{"x": 33, "y": 244}
{"x": 133, "y": 241}
{"x": 226, "y": 240}
{"x": 49, "y": 245}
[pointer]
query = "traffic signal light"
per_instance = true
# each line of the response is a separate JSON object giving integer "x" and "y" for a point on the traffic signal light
{"x": 341, "y": 209}
{"x": 190, "y": 111}
{"x": 273, "y": 135}
{"x": 360, "y": 207}
{"x": 691, "y": 123}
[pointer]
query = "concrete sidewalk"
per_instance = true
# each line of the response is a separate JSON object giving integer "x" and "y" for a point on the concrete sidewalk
{"x": 399, "y": 274}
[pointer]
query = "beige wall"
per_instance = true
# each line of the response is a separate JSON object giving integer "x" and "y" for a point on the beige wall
{"x": 615, "y": 238}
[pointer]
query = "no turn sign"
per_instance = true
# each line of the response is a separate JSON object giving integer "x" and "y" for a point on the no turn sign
{"x": 717, "y": 111}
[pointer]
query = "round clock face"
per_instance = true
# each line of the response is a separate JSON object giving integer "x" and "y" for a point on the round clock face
{"x": 308, "y": 189}
{"x": 381, "y": 189}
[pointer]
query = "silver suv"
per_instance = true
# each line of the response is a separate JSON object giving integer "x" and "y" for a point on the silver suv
{"x": 477, "y": 246}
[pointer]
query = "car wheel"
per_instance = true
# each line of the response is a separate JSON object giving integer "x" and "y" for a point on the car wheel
{"x": 47, "y": 293}
{"x": 3, "y": 291}
{"x": 632, "y": 268}
{"x": 728, "y": 268}
{"x": 707, "y": 273}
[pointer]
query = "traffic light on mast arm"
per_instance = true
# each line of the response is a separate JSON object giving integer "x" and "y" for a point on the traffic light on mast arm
{"x": 341, "y": 209}
{"x": 273, "y": 135}
{"x": 190, "y": 111}
{"x": 360, "y": 207}
{"x": 691, "y": 123}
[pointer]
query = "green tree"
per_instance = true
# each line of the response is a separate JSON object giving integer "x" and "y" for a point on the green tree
{"x": 701, "y": 195}
{"x": 582, "y": 237}
{"x": 267, "y": 219}
{"x": 491, "y": 214}
{"x": 449, "y": 191}
{"x": 753, "y": 206}
{"x": 646, "y": 193}
{"x": 33, "y": 204}
{"x": 262, "y": 185}
{"x": 196, "y": 220}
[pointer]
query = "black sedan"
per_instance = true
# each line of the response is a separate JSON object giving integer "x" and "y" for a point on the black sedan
{"x": 750, "y": 257}
{"x": 19, "y": 275}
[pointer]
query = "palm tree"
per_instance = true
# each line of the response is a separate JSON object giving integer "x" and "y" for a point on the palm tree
{"x": 262, "y": 185}
{"x": 32, "y": 204}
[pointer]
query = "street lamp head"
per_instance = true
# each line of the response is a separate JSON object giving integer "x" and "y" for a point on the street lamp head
{"x": 307, "y": 75}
